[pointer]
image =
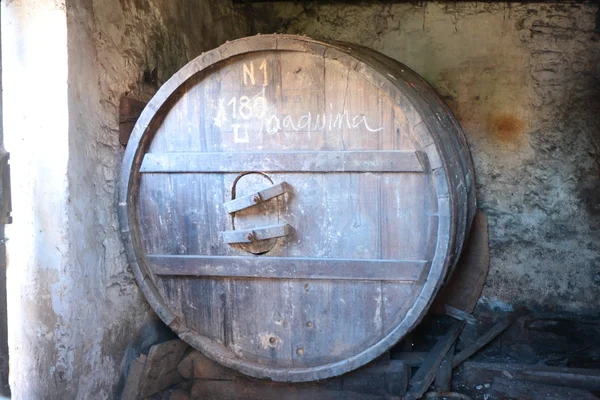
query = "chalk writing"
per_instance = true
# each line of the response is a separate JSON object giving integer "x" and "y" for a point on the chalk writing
{"x": 263, "y": 67}
{"x": 244, "y": 108}
{"x": 248, "y": 73}
{"x": 258, "y": 108}
{"x": 221, "y": 116}
{"x": 322, "y": 121}
{"x": 236, "y": 134}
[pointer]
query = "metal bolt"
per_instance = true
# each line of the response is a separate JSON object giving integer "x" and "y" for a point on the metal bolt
{"x": 256, "y": 198}
{"x": 309, "y": 324}
{"x": 250, "y": 236}
{"x": 299, "y": 352}
{"x": 272, "y": 340}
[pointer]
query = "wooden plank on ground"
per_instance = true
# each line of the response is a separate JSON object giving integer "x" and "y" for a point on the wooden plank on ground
{"x": 478, "y": 372}
{"x": 504, "y": 388}
{"x": 410, "y": 358}
{"x": 425, "y": 375}
{"x": 443, "y": 379}
{"x": 486, "y": 338}
{"x": 460, "y": 315}
{"x": 385, "y": 377}
{"x": 160, "y": 370}
{"x": 263, "y": 390}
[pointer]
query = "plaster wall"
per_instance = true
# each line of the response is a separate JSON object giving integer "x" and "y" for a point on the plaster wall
{"x": 76, "y": 316}
{"x": 524, "y": 82}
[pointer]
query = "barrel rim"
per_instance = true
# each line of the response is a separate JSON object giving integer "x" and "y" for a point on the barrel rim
{"x": 128, "y": 186}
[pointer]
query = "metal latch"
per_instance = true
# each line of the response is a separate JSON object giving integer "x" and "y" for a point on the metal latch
{"x": 255, "y": 234}
{"x": 243, "y": 202}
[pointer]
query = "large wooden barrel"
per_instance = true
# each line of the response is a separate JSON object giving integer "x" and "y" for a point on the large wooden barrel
{"x": 290, "y": 207}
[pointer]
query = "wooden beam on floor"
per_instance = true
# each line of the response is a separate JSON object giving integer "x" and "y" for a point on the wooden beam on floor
{"x": 426, "y": 373}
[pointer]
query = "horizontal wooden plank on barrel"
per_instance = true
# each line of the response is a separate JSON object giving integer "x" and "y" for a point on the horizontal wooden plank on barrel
{"x": 288, "y": 268}
{"x": 289, "y": 161}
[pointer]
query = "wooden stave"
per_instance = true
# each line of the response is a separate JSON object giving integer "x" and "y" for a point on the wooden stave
{"x": 457, "y": 156}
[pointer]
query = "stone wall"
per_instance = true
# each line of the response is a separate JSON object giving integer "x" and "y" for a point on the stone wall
{"x": 524, "y": 81}
{"x": 76, "y": 317}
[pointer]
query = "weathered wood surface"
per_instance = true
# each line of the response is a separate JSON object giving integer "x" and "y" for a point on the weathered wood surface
{"x": 447, "y": 396}
{"x": 286, "y": 161}
{"x": 504, "y": 388}
{"x": 460, "y": 315}
{"x": 412, "y": 359}
{"x": 383, "y": 377}
{"x": 486, "y": 338}
{"x": 289, "y": 268}
{"x": 254, "y": 390}
{"x": 426, "y": 373}
{"x": 443, "y": 378}
{"x": 581, "y": 378}
{"x": 380, "y": 200}
{"x": 464, "y": 286}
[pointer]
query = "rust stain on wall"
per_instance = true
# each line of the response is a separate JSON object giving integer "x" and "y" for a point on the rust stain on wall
{"x": 507, "y": 128}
